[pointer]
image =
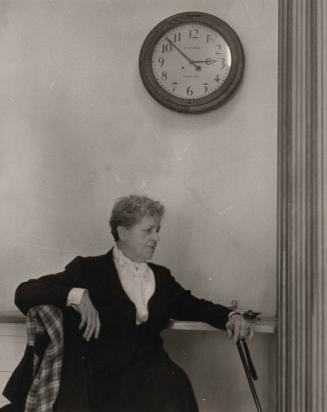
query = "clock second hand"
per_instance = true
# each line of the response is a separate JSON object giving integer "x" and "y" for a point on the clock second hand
{"x": 198, "y": 68}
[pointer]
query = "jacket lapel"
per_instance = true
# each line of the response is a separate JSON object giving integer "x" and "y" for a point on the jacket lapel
{"x": 111, "y": 281}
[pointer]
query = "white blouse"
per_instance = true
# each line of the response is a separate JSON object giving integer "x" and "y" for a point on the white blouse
{"x": 138, "y": 282}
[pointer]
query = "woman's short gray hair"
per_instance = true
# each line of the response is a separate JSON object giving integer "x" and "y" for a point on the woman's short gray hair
{"x": 129, "y": 210}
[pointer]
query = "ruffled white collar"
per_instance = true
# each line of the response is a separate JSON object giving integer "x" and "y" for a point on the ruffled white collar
{"x": 137, "y": 268}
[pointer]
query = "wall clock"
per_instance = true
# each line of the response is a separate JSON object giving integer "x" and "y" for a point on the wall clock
{"x": 191, "y": 62}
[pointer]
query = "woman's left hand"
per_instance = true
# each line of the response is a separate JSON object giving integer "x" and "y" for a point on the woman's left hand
{"x": 239, "y": 328}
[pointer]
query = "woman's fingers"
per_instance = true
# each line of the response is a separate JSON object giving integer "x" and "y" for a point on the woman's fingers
{"x": 239, "y": 328}
{"x": 92, "y": 325}
{"x": 83, "y": 318}
{"x": 89, "y": 318}
{"x": 98, "y": 326}
{"x": 244, "y": 330}
{"x": 89, "y": 327}
{"x": 229, "y": 330}
{"x": 237, "y": 331}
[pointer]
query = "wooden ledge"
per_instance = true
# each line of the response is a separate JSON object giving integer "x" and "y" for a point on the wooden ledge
{"x": 266, "y": 325}
{"x": 11, "y": 316}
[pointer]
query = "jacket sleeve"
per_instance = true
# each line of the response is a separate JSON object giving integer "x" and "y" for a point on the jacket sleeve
{"x": 185, "y": 306}
{"x": 51, "y": 289}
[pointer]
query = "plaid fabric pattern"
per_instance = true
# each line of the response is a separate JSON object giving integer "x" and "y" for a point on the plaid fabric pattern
{"x": 44, "y": 389}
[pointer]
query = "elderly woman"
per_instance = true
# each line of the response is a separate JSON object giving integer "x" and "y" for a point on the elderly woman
{"x": 115, "y": 307}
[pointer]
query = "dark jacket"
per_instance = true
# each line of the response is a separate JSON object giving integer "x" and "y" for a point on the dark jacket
{"x": 120, "y": 340}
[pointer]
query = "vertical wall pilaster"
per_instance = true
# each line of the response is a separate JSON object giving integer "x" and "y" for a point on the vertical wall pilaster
{"x": 302, "y": 194}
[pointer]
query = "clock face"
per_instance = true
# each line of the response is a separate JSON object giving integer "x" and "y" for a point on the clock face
{"x": 191, "y": 61}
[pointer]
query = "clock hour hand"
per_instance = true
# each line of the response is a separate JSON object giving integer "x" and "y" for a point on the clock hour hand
{"x": 206, "y": 61}
{"x": 198, "y": 68}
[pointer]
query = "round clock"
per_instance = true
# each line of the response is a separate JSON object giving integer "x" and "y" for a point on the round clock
{"x": 191, "y": 62}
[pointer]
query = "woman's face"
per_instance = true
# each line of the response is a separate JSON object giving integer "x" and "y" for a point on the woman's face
{"x": 139, "y": 241}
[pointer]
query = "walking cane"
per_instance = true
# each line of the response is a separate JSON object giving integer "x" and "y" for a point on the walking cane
{"x": 248, "y": 366}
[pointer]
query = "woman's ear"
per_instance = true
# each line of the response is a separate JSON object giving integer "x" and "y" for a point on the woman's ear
{"x": 121, "y": 230}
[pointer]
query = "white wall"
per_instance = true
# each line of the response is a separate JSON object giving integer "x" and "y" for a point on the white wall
{"x": 78, "y": 130}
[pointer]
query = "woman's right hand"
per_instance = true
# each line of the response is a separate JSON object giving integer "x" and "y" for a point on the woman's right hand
{"x": 89, "y": 317}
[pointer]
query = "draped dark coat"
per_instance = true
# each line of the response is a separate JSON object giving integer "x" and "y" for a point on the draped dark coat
{"x": 91, "y": 369}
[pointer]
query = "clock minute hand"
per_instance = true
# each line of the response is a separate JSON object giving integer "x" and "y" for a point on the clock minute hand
{"x": 198, "y": 68}
{"x": 206, "y": 61}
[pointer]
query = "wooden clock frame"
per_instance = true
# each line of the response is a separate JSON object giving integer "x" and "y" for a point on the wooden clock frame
{"x": 203, "y": 104}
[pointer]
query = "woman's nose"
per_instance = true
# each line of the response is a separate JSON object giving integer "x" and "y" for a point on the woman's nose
{"x": 156, "y": 236}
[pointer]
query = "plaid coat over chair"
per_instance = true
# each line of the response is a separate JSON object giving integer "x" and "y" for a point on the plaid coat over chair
{"x": 45, "y": 320}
